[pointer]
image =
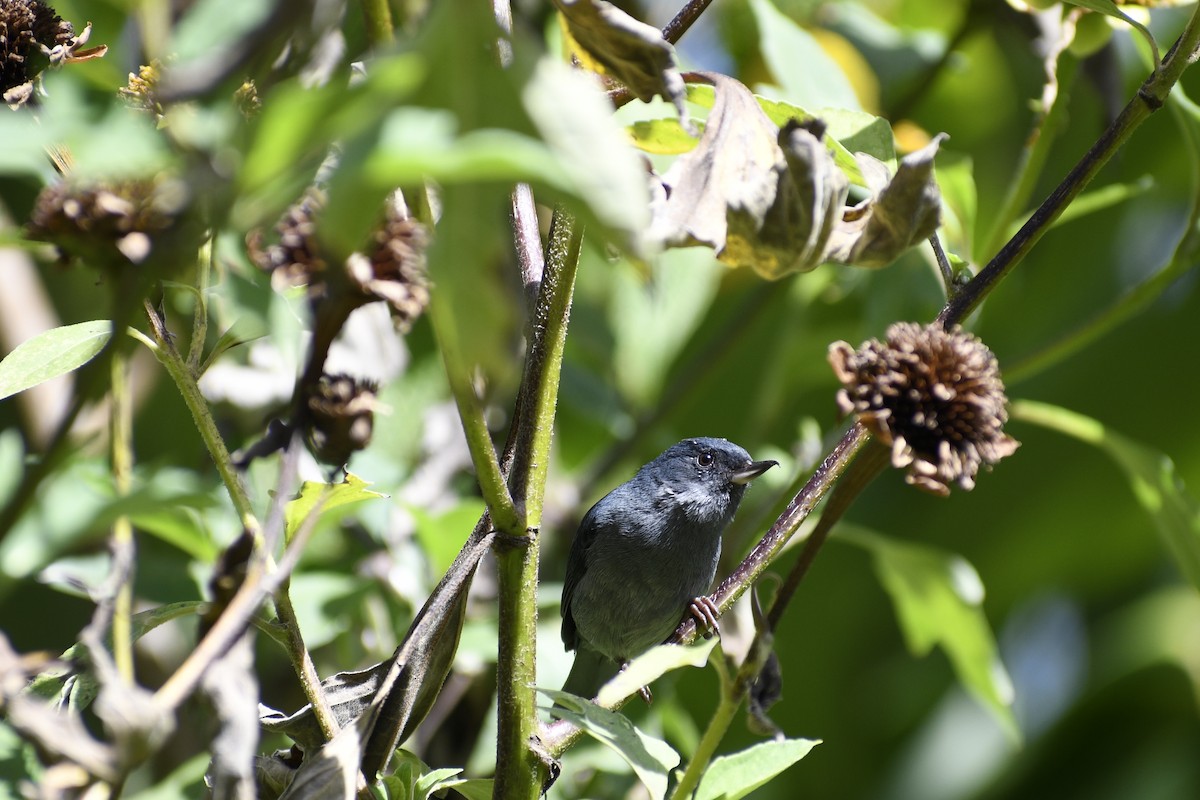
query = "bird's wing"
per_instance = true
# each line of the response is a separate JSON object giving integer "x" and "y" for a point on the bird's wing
{"x": 576, "y": 567}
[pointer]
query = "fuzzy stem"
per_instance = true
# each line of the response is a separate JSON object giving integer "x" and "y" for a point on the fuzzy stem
{"x": 520, "y": 770}
{"x": 377, "y": 15}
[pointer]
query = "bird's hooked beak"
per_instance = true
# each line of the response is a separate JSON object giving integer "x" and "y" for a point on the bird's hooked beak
{"x": 752, "y": 471}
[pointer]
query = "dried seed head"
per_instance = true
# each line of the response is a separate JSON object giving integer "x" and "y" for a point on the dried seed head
{"x": 32, "y": 37}
{"x": 341, "y": 417}
{"x": 934, "y": 396}
{"x": 108, "y": 225}
{"x": 393, "y": 269}
{"x": 295, "y": 259}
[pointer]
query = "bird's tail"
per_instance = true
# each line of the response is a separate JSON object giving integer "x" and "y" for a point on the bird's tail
{"x": 589, "y": 672}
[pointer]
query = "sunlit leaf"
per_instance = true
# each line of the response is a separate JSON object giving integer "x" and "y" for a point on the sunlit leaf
{"x": 352, "y": 490}
{"x": 651, "y": 758}
{"x": 801, "y": 67}
{"x": 737, "y": 775}
{"x": 651, "y": 665}
{"x": 1151, "y": 475}
{"x": 938, "y": 597}
{"x": 52, "y": 353}
{"x": 664, "y": 137}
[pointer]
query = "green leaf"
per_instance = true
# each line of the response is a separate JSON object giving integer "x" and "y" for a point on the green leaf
{"x": 733, "y": 776}
{"x": 664, "y": 137}
{"x": 651, "y": 322}
{"x": 1109, "y": 9}
{"x": 352, "y": 490}
{"x": 53, "y": 353}
{"x": 651, "y": 758}
{"x": 472, "y": 788}
{"x": 649, "y": 666}
{"x": 801, "y": 67}
{"x": 442, "y": 535}
{"x": 1151, "y": 475}
{"x": 938, "y": 598}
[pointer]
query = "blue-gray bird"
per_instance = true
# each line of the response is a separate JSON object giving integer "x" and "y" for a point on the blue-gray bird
{"x": 646, "y": 553}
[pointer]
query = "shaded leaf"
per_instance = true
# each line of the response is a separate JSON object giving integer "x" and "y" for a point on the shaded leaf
{"x": 737, "y": 775}
{"x": 52, "y": 353}
{"x": 349, "y": 694}
{"x": 651, "y": 665}
{"x": 330, "y": 771}
{"x": 1151, "y": 474}
{"x": 901, "y": 212}
{"x": 442, "y": 535}
{"x": 625, "y": 48}
{"x": 651, "y": 758}
{"x": 938, "y": 598}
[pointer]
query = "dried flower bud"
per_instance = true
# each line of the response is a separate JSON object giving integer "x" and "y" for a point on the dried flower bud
{"x": 393, "y": 269}
{"x": 247, "y": 100}
{"x": 108, "y": 225}
{"x": 934, "y": 396}
{"x": 33, "y": 37}
{"x": 140, "y": 90}
{"x": 340, "y": 417}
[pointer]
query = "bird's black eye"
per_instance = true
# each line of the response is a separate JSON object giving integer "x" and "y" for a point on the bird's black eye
{"x": 705, "y": 459}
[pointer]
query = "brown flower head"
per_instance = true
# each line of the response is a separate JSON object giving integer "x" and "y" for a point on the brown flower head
{"x": 340, "y": 417}
{"x": 33, "y": 37}
{"x": 109, "y": 225}
{"x": 934, "y": 396}
{"x": 392, "y": 268}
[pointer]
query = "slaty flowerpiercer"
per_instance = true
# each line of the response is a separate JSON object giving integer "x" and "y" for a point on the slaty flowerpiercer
{"x": 646, "y": 554}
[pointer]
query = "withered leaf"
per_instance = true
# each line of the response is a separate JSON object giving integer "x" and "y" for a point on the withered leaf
{"x": 233, "y": 691}
{"x": 808, "y": 203}
{"x": 631, "y": 51}
{"x": 901, "y": 211}
{"x": 388, "y": 701}
{"x": 332, "y": 771}
{"x": 732, "y": 170}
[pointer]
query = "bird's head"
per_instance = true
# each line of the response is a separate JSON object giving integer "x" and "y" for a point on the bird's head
{"x": 705, "y": 474}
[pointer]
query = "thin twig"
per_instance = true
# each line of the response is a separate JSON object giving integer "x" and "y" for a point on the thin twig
{"x": 687, "y": 16}
{"x": 1149, "y": 98}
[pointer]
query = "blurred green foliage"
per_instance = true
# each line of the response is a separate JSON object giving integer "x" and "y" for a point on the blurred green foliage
{"x": 1093, "y": 620}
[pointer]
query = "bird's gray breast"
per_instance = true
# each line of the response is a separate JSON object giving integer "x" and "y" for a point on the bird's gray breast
{"x": 639, "y": 580}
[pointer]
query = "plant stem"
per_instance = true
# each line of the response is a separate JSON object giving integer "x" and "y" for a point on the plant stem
{"x": 378, "y": 17}
{"x": 520, "y": 771}
{"x": 687, "y": 16}
{"x": 717, "y": 726}
{"x": 121, "y": 446}
{"x": 1149, "y": 98}
{"x": 1036, "y": 151}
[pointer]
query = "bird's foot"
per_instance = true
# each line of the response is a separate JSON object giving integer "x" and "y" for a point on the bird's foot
{"x": 644, "y": 691}
{"x": 706, "y": 613}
